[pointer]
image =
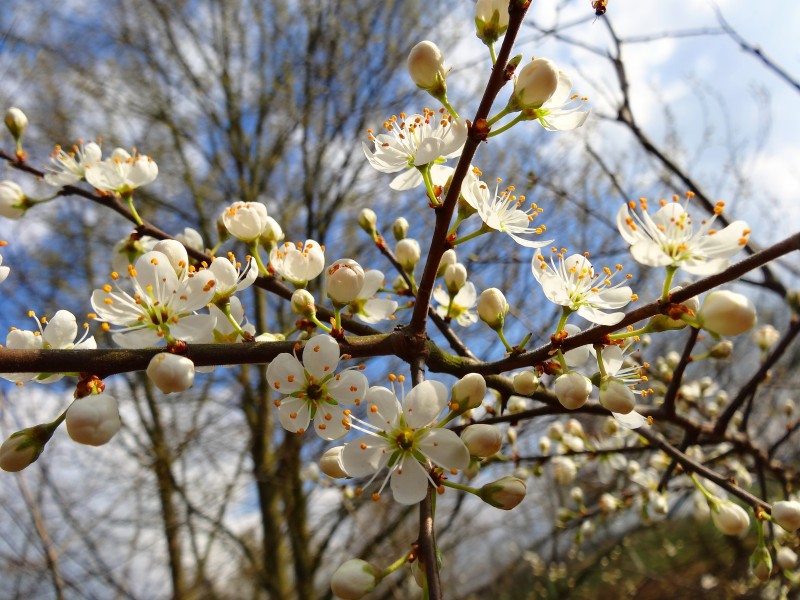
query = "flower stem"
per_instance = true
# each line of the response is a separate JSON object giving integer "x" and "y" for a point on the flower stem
{"x": 449, "y": 107}
{"x": 668, "y": 283}
{"x": 502, "y": 337}
{"x": 492, "y": 53}
{"x": 425, "y": 171}
{"x": 471, "y": 236}
{"x": 254, "y": 252}
{"x": 506, "y": 127}
{"x": 318, "y": 323}
{"x": 498, "y": 116}
{"x": 129, "y": 199}
{"x": 463, "y": 488}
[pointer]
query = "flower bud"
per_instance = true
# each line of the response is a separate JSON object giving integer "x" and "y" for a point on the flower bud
{"x": 727, "y": 313}
{"x": 448, "y": 258}
{"x": 303, "y": 303}
{"x": 761, "y": 563}
{"x": 572, "y": 390}
{"x": 245, "y": 221}
{"x": 576, "y": 494}
{"x": 171, "y": 372}
{"x": 16, "y": 121}
{"x": 516, "y": 405}
{"x": 408, "y": 253}
{"x": 354, "y": 579}
{"x": 787, "y": 558}
{"x": 271, "y": 233}
{"x": 525, "y": 382}
{"x": 482, "y": 439}
{"x": 426, "y": 67}
{"x": 191, "y": 238}
{"x": 536, "y": 82}
{"x": 93, "y": 420}
{"x": 544, "y": 445}
{"x": 555, "y": 431}
{"x": 491, "y": 20}
{"x": 616, "y": 396}
{"x": 330, "y": 463}
{"x": 12, "y": 200}
{"x": 468, "y": 392}
{"x": 722, "y": 350}
{"x": 492, "y": 308}
{"x": 368, "y": 221}
{"x": 23, "y": 447}
{"x": 399, "y": 228}
{"x": 766, "y": 337}
{"x": 505, "y": 493}
{"x": 564, "y": 470}
{"x": 455, "y": 276}
{"x": 344, "y": 281}
{"x": 729, "y": 518}
{"x": 608, "y": 503}
{"x": 786, "y": 513}
{"x": 788, "y": 407}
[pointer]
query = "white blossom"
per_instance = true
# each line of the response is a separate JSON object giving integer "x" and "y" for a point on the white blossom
{"x": 121, "y": 172}
{"x": 402, "y": 438}
{"x": 162, "y": 305}
{"x": 299, "y": 263}
{"x": 368, "y": 308}
{"x": 69, "y": 167}
{"x": 93, "y": 420}
{"x": 312, "y": 389}
{"x": 669, "y": 239}
{"x": 501, "y": 210}
{"x": 414, "y": 141}
{"x": 460, "y": 306}
{"x": 575, "y": 285}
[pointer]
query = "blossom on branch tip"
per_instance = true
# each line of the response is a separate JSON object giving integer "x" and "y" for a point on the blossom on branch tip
{"x": 544, "y": 92}
{"x": 230, "y": 276}
{"x": 415, "y": 141}
{"x": 727, "y": 313}
{"x": 298, "y": 263}
{"x": 501, "y": 210}
{"x": 427, "y": 69}
{"x": 312, "y": 390}
{"x": 122, "y": 172}
{"x": 16, "y": 121}
{"x": 575, "y": 285}
{"x": 401, "y": 436}
{"x": 69, "y": 167}
{"x": 669, "y": 238}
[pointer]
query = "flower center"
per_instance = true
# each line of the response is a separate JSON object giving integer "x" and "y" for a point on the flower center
{"x": 404, "y": 439}
{"x": 315, "y": 392}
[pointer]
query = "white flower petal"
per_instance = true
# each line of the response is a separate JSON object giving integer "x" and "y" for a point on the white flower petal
{"x": 321, "y": 356}
{"x": 424, "y": 403}
{"x": 445, "y": 448}
{"x": 294, "y": 414}
{"x": 409, "y": 481}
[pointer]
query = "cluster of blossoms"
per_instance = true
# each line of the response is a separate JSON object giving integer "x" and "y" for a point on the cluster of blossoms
{"x": 160, "y": 294}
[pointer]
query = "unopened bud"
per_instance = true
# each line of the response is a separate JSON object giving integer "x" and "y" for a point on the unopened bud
{"x": 505, "y": 493}
{"x": 455, "y": 276}
{"x": 491, "y": 20}
{"x": 427, "y": 69}
{"x": 344, "y": 281}
{"x": 468, "y": 392}
{"x": 722, "y": 350}
{"x": 482, "y": 439}
{"x": 13, "y": 202}
{"x": 408, "y": 253}
{"x": 354, "y": 579}
{"x": 787, "y": 558}
{"x": 16, "y": 121}
{"x": 761, "y": 563}
{"x": 448, "y": 258}
{"x": 727, "y": 313}
{"x": 368, "y": 220}
{"x": 93, "y": 420}
{"x": 492, "y": 308}
{"x": 303, "y": 303}
{"x": 786, "y": 513}
{"x": 525, "y": 382}
{"x": 766, "y": 337}
{"x": 564, "y": 470}
{"x": 330, "y": 463}
{"x": 170, "y": 372}
{"x": 399, "y": 228}
{"x": 729, "y": 518}
{"x": 572, "y": 390}
{"x": 535, "y": 84}
{"x": 272, "y": 234}
{"x": 22, "y": 448}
